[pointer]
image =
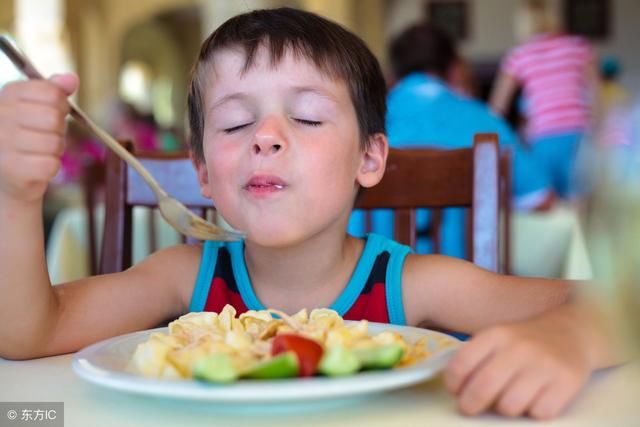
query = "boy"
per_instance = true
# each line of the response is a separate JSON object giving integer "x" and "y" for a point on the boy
{"x": 286, "y": 113}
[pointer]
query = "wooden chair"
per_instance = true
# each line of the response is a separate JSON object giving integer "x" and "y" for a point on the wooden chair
{"x": 93, "y": 183}
{"x": 126, "y": 189}
{"x": 505, "y": 208}
{"x": 436, "y": 179}
{"x": 413, "y": 179}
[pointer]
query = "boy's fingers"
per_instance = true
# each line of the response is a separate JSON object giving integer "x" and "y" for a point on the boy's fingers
{"x": 554, "y": 398}
{"x": 37, "y": 168}
{"x": 520, "y": 394}
{"x": 35, "y": 92}
{"x": 68, "y": 82}
{"x": 550, "y": 403}
{"x": 35, "y": 142}
{"x": 487, "y": 382}
{"x": 467, "y": 359}
{"x": 41, "y": 117}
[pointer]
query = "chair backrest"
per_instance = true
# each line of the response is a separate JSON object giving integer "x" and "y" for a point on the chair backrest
{"x": 126, "y": 189}
{"x": 436, "y": 179}
{"x": 414, "y": 178}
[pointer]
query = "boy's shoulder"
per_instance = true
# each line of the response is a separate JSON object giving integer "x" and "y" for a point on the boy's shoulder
{"x": 175, "y": 267}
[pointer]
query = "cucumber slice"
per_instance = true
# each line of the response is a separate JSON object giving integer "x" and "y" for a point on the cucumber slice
{"x": 216, "y": 368}
{"x": 338, "y": 361}
{"x": 383, "y": 357}
{"x": 284, "y": 365}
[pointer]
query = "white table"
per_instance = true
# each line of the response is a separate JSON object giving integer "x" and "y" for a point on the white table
{"x": 548, "y": 244}
{"x": 68, "y": 246}
{"x": 611, "y": 398}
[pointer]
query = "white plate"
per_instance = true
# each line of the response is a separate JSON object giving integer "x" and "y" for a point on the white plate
{"x": 104, "y": 364}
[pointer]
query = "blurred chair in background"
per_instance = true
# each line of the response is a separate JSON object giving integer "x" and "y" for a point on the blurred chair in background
{"x": 93, "y": 185}
{"x": 125, "y": 190}
{"x": 82, "y": 155}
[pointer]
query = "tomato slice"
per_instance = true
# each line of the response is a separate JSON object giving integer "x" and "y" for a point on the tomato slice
{"x": 309, "y": 352}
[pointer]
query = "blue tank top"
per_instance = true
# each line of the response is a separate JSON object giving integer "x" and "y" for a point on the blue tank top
{"x": 374, "y": 291}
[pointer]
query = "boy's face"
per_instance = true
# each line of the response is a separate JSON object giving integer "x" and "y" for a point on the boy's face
{"x": 281, "y": 148}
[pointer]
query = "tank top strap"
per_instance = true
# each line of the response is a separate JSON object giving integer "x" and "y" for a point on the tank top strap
{"x": 208, "y": 263}
{"x": 375, "y": 289}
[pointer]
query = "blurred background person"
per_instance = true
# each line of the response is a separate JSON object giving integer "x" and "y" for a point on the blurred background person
{"x": 426, "y": 109}
{"x": 612, "y": 94}
{"x": 557, "y": 74}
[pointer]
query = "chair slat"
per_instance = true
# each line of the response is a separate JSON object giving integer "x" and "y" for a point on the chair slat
{"x": 177, "y": 177}
{"x": 485, "y": 202}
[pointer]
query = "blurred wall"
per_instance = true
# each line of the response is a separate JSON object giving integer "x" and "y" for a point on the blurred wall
{"x": 6, "y": 15}
{"x": 99, "y": 30}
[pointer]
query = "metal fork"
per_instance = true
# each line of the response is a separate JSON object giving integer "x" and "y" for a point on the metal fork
{"x": 175, "y": 213}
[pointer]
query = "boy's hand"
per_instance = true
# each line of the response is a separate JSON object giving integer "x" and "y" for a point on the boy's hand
{"x": 531, "y": 368}
{"x": 32, "y": 123}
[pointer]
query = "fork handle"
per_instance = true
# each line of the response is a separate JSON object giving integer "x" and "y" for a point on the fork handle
{"x": 28, "y": 69}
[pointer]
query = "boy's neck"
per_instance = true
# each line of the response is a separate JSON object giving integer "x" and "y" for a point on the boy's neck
{"x": 311, "y": 275}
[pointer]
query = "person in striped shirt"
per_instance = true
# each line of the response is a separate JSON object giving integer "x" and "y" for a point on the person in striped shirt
{"x": 557, "y": 74}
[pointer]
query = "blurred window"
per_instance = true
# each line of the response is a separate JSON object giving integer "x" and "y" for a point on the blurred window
{"x": 8, "y": 72}
{"x": 40, "y": 32}
{"x": 135, "y": 85}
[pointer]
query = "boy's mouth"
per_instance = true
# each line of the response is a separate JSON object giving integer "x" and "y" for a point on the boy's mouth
{"x": 262, "y": 184}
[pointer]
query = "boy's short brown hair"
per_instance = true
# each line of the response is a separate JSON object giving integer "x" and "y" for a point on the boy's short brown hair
{"x": 335, "y": 51}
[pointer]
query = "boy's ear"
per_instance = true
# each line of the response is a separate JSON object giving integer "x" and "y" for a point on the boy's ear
{"x": 203, "y": 176}
{"x": 374, "y": 160}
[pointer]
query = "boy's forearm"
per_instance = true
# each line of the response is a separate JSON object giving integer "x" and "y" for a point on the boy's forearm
{"x": 587, "y": 322}
{"x": 27, "y": 301}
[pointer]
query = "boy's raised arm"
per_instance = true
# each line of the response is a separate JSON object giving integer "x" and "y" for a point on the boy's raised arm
{"x": 36, "y": 318}
{"x": 32, "y": 121}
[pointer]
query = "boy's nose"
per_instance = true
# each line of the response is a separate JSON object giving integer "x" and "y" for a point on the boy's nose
{"x": 269, "y": 138}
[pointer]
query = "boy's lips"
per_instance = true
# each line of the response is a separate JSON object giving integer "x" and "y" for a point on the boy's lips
{"x": 265, "y": 184}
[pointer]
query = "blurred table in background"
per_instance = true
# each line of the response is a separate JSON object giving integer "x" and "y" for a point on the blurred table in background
{"x": 68, "y": 244}
{"x": 549, "y": 244}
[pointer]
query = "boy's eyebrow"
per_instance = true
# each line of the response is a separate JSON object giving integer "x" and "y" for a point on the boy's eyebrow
{"x": 240, "y": 96}
{"x": 317, "y": 91}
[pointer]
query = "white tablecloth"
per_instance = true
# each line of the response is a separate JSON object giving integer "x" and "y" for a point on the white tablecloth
{"x": 610, "y": 399}
{"x": 548, "y": 244}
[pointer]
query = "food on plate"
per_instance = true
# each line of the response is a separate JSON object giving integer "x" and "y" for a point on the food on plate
{"x": 269, "y": 344}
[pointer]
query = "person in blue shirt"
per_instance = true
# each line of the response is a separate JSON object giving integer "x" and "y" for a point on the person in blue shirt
{"x": 426, "y": 110}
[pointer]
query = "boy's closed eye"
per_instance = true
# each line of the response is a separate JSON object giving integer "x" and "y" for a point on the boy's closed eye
{"x": 244, "y": 125}
{"x": 236, "y": 128}
{"x": 308, "y": 122}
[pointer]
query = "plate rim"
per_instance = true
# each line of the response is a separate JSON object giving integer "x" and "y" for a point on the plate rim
{"x": 262, "y": 391}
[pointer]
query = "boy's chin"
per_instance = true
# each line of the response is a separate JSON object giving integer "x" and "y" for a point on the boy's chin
{"x": 272, "y": 237}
